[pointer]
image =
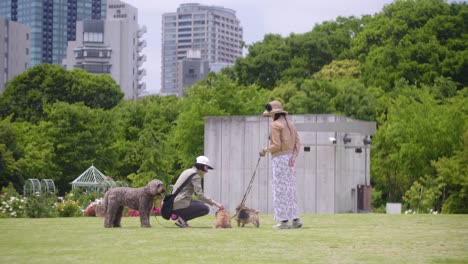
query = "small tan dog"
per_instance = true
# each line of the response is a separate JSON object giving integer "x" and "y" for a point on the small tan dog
{"x": 245, "y": 215}
{"x": 223, "y": 219}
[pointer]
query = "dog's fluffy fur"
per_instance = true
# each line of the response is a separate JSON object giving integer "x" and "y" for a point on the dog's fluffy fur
{"x": 140, "y": 199}
{"x": 223, "y": 219}
{"x": 245, "y": 215}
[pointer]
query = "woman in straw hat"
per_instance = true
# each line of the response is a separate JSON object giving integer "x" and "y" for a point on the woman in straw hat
{"x": 284, "y": 148}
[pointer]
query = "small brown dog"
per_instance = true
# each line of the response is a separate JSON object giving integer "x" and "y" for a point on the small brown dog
{"x": 245, "y": 215}
{"x": 223, "y": 219}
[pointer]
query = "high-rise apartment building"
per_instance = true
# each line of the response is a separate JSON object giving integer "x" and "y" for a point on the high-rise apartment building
{"x": 112, "y": 46}
{"x": 52, "y": 22}
{"x": 214, "y": 31}
{"x": 15, "y": 45}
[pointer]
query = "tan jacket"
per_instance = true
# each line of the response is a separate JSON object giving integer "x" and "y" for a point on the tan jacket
{"x": 283, "y": 138}
{"x": 193, "y": 187}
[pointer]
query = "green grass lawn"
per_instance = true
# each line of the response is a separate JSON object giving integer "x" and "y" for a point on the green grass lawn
{"x": 341, "y": 238}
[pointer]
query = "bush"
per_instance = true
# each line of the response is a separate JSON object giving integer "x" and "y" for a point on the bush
{"x": 83, "y": 198}
{"x": 41, "y": 205}
{"x": 11, "y": 203}
{"x": 91, "y": 208}
{"x": 68, "y": 208}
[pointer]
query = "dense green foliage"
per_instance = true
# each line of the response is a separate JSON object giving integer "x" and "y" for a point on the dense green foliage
{"x": 29, "y": 93}
{"x": 405, "y": 68}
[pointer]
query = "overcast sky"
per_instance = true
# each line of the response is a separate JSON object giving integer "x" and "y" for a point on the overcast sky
{"x": 257, "y": 17}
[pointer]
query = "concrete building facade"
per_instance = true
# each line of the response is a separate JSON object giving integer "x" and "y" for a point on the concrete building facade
{"x": 214, "y": 31}
{"x": 112, "y": 46}
{"x": 15, "y": 46}
{"x": 190, "y": 70}
{"x": 52, "y": 23}
{"x": 332, "y": 167}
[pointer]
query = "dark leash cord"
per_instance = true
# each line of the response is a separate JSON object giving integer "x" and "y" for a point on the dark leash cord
{"x": 161, "y": 224}
{"x": 248, "y": 187}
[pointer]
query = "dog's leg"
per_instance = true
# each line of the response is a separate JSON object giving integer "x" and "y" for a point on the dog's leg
{"x": 110, "y": 215}
{"x": 144, "y": 217}
{"x": 107, "y": 222}
{"x": 118, "y": 217}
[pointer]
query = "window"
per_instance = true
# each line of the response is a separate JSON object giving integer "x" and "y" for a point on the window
{"x": 188, "y": 16}
{"x": 182, "y": 24}
{"x": 93, "y": 37}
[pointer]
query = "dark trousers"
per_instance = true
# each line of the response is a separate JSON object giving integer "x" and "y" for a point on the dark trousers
{"x": 195, "y": 209}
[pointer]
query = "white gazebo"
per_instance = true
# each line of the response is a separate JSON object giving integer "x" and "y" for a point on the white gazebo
{"x": 94, "y": 180}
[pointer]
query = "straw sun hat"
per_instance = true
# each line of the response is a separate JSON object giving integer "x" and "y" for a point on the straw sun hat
{"x": 272, "y": 108}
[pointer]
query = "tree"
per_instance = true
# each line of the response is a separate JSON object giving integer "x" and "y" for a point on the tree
{"x": 80, "y": 137}
{"x": 143, "y": 132}
{"x": 417, "y": 129}
{"x": 217, "y": 95}
{"x": 9, "y": 153}
{"x": 414, "y": 40}
{"x": 29, "y": 93}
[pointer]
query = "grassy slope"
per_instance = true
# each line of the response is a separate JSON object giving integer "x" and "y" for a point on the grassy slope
{"x": 343, "y": 238}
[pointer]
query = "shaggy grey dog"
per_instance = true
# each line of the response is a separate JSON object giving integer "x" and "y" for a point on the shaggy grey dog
{"x": 140, "y": 199}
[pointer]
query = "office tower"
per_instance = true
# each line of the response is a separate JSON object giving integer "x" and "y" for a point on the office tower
{"x": 111, "y": 46}
{"x": 52, "y": 23}
{"x": 15, "y": 44}
{"x": 190, "y": 70}
{"x": 214, "y": 31}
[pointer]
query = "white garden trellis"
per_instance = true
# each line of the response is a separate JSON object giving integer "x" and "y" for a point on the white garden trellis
{"x": 34, "y": 186}
{"x": 47, "y": 186}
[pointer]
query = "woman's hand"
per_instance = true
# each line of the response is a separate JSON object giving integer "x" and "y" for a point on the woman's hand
{"x": 291, "y": 162}
{"x": 220, "y": 206}
{"x": 262, "y": 152}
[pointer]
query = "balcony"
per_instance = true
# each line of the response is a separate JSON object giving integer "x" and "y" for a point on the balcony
{"x": 141, "y": 74}
{"x": 141, "y": 45}
{"x": 141, "y": 60}
{"x": 141, "y": 31}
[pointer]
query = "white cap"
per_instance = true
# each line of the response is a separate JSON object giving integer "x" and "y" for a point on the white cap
{"x": 205, "y": 161}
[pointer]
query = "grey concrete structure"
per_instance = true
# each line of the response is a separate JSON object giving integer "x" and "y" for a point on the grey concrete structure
{"x": 15, "y": 46}
{"x": 213, "y": 30}
{"x": 112, "y": 46}
{"x": 334, "y": 159}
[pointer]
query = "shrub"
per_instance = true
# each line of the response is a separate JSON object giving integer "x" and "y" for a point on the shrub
{"x": 68, "y": 208}
{"x": 41, "y": 205}
{"x": 91, "y": 208}
{"x": 11, "y": 203}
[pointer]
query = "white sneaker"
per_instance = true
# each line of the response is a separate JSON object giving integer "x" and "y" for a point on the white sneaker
{"x": 297, "y": 223}
{"x": 282, "y": 225}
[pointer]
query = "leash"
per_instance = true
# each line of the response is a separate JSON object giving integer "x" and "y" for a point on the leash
{"x": 248, "y": 187}
{"x": 251, "y": 182}
{"x": 157, "y": 220}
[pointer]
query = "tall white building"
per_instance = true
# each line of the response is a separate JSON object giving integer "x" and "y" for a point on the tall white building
{"x": 213, "y": 30}
{"x": 15, "y": 46}
{"x": 112, "y": 46}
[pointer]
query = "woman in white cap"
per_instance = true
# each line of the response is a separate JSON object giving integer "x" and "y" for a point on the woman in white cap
{"x": 284, "y": 148}
{"x": 184, "y": 207}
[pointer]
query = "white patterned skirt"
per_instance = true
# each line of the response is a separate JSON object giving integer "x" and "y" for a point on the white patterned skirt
{"x": 284, "y": 189}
